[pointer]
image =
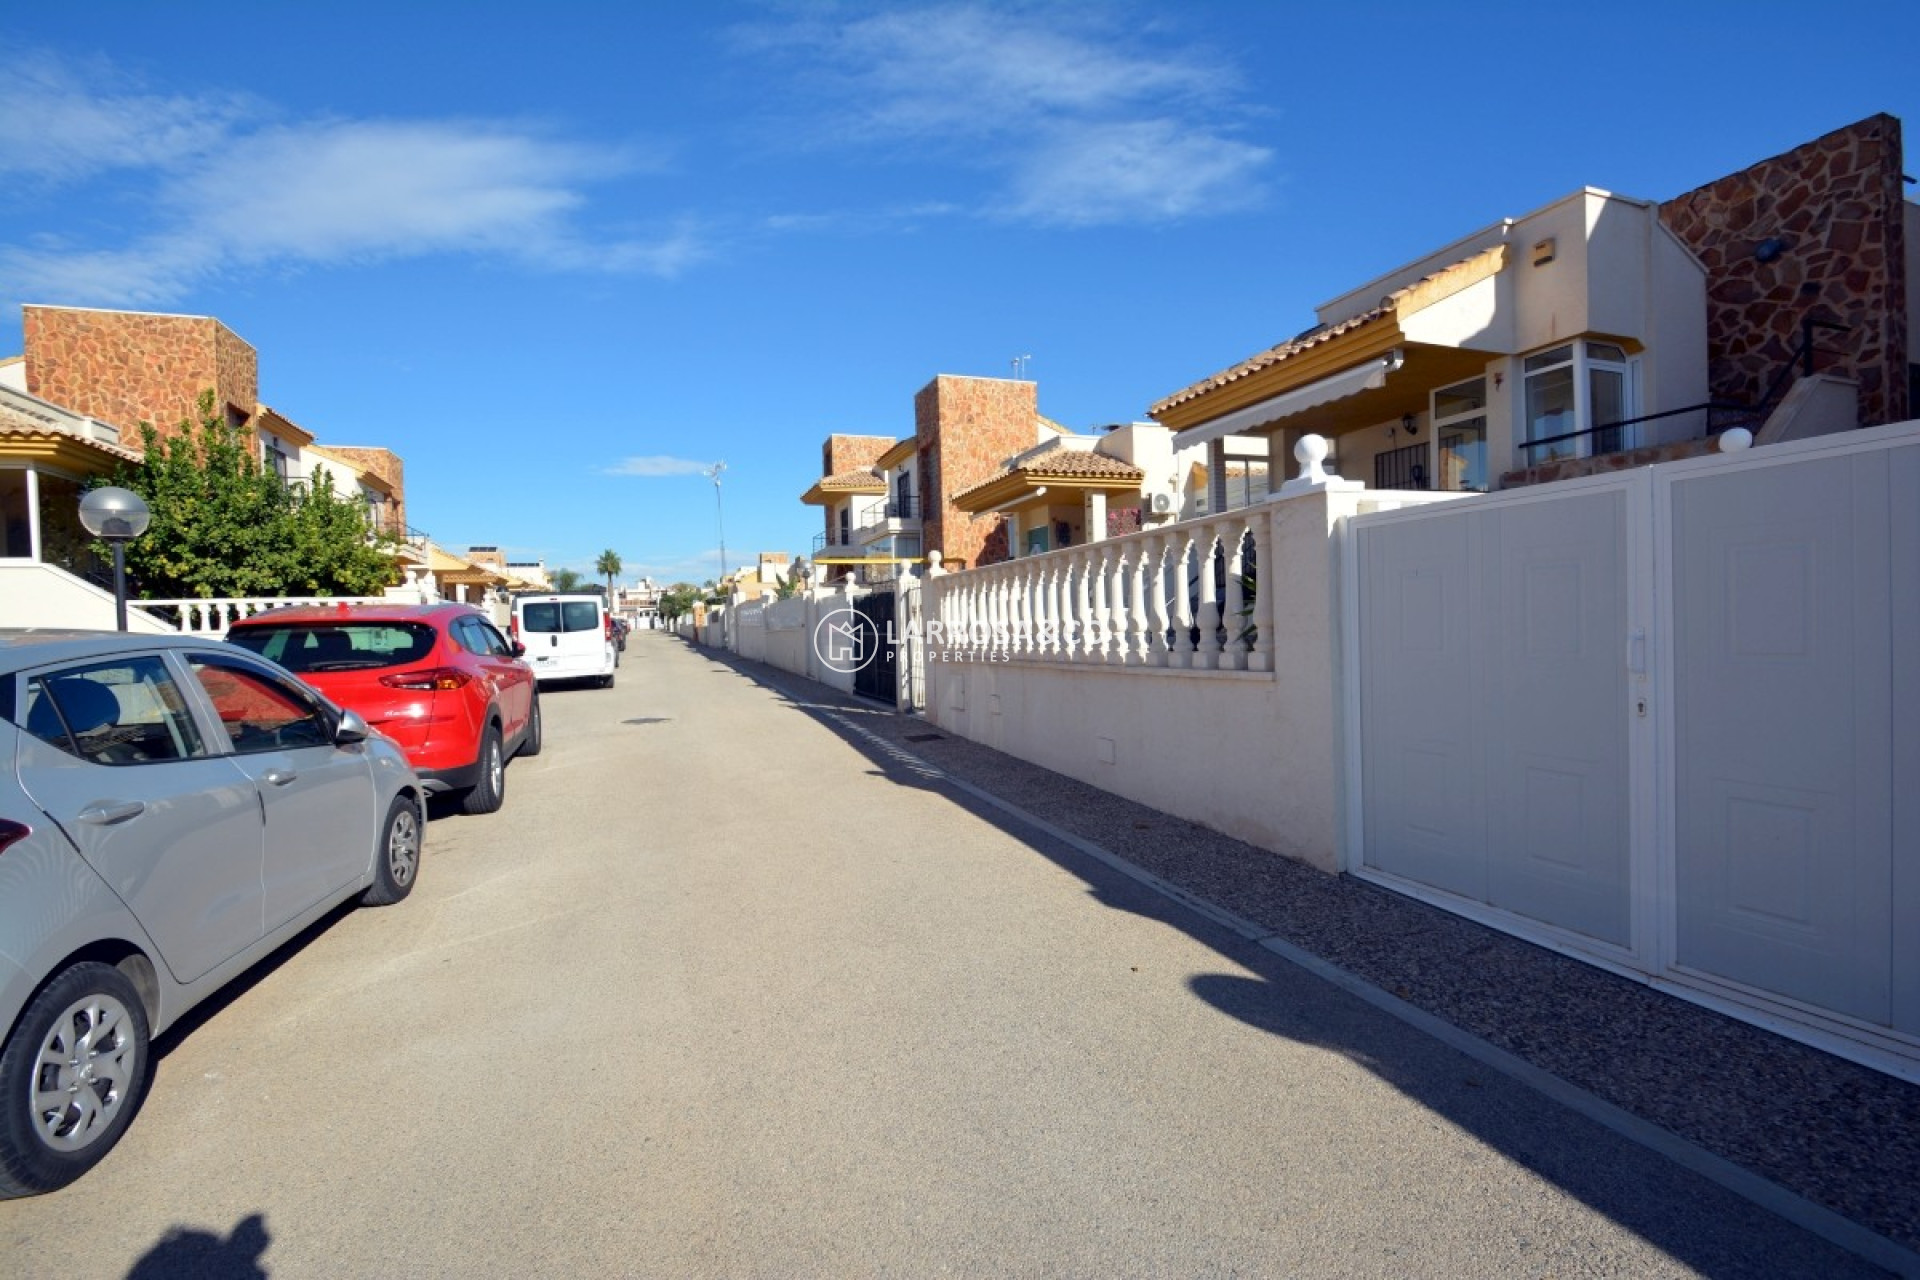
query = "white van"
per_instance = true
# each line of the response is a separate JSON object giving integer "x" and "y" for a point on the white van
{"x": 568, "y": 636}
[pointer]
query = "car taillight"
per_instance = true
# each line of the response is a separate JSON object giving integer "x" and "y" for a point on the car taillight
{"x": 439, "y": 678}
{"x": 606, "y": 621}
{"x": 12, "y": 833}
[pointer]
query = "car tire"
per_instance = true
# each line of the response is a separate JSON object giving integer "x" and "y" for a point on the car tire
{"x": 90, "y": 1015}
{"x": 488, "y": 794}
{"x": 396, "y": 859}
{"x": 535, "y": 736}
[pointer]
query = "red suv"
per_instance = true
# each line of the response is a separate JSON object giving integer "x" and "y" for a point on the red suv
{"x": 438, "y": 679}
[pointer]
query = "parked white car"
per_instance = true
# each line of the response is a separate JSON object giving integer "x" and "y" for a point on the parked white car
{"x": 171, "y": 810}
{"x": 568, "y": 636}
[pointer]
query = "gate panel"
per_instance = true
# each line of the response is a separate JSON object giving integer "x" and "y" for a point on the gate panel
{"x": 1493, "y": 705}
{"x": 1558, "y": 848}
{"x": 879, "y": 677}
{"x": 1783, "y": 679}
{"x": 1743, "y": 826}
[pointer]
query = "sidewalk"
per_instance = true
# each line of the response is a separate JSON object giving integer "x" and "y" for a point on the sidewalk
{"x": 1826, "y": 1143}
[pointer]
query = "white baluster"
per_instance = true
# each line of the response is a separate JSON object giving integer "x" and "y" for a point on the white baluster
{"x": 1262, "y": 657}
{"x": 1138, "y": 624}
{"x": 1207, "y": 656}
{"x": 1180, "y": 573}
{"x": 1155, "y": 587}
{"x": 1234, "y": 656}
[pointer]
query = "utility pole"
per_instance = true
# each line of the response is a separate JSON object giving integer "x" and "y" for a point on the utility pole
{"x": 713, "y": 473}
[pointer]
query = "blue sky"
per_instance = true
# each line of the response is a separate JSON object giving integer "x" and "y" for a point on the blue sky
{"x": 562, "y": 257}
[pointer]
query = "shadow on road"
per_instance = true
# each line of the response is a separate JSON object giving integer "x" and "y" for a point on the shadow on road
{"x": 1693, "y": 1220}
{"x": 189, "y": 1253}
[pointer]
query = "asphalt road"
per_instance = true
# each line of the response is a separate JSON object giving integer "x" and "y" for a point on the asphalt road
{"x": 724, "y": 992}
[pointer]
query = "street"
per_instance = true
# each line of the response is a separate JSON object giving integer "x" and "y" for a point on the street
{"x": 724, "y": 991}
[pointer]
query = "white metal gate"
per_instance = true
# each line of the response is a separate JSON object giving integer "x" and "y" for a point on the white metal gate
{"x": 1657, "y": 720}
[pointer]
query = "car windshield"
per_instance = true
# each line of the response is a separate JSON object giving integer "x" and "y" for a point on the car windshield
{"x": 362, "y": 646}
{"x": 560, "y": 615}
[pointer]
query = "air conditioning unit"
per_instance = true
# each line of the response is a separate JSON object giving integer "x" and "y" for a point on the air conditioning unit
{"x": 1163, "y": 504}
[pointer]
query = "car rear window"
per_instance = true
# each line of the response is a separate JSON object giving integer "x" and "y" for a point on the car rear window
{"x": 361, "y": 646}
{"x": 560, "y": 615}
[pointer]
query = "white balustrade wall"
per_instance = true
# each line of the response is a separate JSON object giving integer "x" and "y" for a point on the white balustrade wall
{"x": 1192, "y": 668}
{"x": 212, "y": 617}
{"x": 1183, "y": 597}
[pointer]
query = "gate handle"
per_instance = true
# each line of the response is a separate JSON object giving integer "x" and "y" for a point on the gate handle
{"x": 1637, "y": 651}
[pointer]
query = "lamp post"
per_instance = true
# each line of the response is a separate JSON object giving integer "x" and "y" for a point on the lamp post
{"x": 713, "y": 473}
{"x": 116, "y": 517}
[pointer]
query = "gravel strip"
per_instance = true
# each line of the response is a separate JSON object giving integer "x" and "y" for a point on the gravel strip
{"x": 1838, "y": 1134}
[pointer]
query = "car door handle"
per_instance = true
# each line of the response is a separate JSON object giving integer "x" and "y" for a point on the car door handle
{"x": 106, "y": 814}
{"x": 279, "y": 777}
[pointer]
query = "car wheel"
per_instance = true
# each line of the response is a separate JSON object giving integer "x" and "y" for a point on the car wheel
{"x": 490, "y": 792}
{"x": 71, "y": 1078}
{"x": 396, "y": 861}
{"x": 530, "y": 745}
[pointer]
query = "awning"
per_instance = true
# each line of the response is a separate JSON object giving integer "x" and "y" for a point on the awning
{"x": 1365, "y": 377}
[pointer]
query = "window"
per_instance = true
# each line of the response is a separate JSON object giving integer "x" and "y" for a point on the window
{"x": 360, "y": 646}
{"x": 261, "y": 712}
{"x": 475, "y": 636}
{"x": 1460, "y": 434}
{"x": 560, "y": 615}
{"x": 1576, "y": 396}
{"x": 16, "y": 519}
{"x": 119, "y": 713}
{"x": 273, "y": 456}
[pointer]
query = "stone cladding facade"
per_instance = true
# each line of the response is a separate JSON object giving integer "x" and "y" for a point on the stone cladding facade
{"x": 385, "y": 464}
{"x": 1818, "y": 231}
{"x": 850, "y": 453}
{"x": 841, "y": 454}
{"x": 125, "y": 368}
{"x": 967, "y": 428}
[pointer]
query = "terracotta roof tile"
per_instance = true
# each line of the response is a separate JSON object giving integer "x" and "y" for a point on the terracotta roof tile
{"x": 858, "y": 481}
{"x": 1313, "y": 337}
{"x": 15, "y": 423}
{"x": 1071, "y": 464}
{"x": 1270, "y": 357}
{"x": 1062, "y": 464}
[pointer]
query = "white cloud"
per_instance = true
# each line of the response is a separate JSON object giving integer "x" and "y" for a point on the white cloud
{"x": 230, "y": 189}
{"x": 656, "y": 465}
{"x": 60, "y": 130}
{"x": 1154, "y": 170}
{"x": 1081, "y": 122}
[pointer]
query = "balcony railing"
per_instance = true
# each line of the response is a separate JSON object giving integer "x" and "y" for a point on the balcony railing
{"x": 1617, "y": 437}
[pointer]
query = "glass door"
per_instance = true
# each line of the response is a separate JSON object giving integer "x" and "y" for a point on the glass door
{"x": 1460, "y": 436}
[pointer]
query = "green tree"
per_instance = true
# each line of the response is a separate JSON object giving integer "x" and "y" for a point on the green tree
{"x": 566, "y": 579}
{"x": 677, "y": 601}
{"x": 608, "y": 566}
{"x": 223, "y": 526}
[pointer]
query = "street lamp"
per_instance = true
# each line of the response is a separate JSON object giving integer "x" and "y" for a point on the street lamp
{"x": 713, "y": 473}
{"x": 115, "y": 516}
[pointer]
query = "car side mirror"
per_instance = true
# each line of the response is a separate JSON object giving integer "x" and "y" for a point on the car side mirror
{"x": 519, "y": 650}
{"x": 351, "y": 729}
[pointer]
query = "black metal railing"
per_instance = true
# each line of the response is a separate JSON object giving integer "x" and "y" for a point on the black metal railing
{"x": 903, "y": 508}
{"x": 1404, "y": 468}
